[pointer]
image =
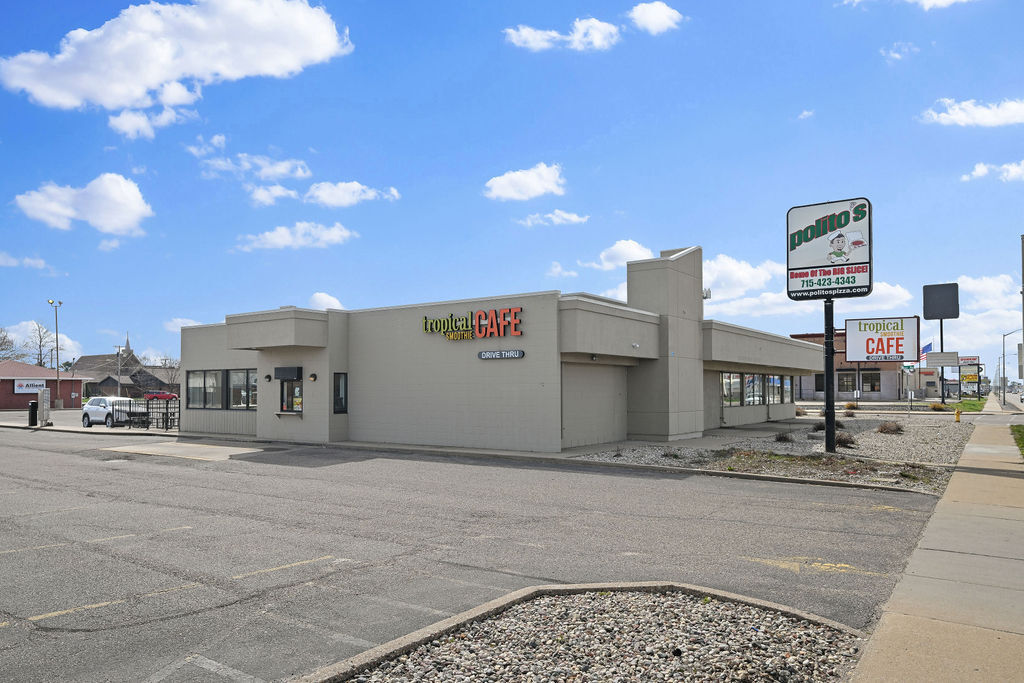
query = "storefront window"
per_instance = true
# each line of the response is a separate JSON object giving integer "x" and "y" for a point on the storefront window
{"x": 871, "y": 381}
{"x": 774, "y": 389}
{"x": 732, "y": 395}
{"x": 847, "y": 381}
{"x": 291, "y": 396}
{"x": 242, "y": 389}
{"x": 787, "y": 389}
{"x": 194, "y": 396}
{"x": 819, "y": 382}
{"x": 753, "y": 390}
{"x": 341, "y": 392}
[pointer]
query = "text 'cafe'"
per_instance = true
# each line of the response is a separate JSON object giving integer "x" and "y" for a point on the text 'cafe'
{"x": 541, "y": 371}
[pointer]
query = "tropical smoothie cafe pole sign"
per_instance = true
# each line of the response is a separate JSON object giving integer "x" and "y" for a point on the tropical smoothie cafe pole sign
{"x": 828, "y": 256}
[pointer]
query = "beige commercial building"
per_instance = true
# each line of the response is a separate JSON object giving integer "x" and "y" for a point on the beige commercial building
{"x": 541, "y": 371}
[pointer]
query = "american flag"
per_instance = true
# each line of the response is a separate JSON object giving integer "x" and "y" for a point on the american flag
{"x": 924, "y": 352}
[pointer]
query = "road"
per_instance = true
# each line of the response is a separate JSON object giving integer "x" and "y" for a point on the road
{"x": 136, "y": 567}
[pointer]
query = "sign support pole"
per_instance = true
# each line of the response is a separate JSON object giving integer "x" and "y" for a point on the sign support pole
{"x": 830, "y": 365}
{"x": 942, "y": 370}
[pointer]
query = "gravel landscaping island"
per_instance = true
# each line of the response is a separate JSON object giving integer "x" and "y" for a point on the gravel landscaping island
{"x": 630, "y": 636}
{"x": 917, "y": 459}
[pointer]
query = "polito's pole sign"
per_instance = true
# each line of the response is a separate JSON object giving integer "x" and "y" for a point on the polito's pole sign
{"x": 882, "y": 339}
{"x": 828, "y": 250}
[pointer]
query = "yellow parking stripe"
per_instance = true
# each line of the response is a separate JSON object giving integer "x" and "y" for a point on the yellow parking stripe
{"x": 34, "y": 547}
{"x": 40, "y": 617}
{"x": 797, "y": 564}
{"x": 284, "y": 566}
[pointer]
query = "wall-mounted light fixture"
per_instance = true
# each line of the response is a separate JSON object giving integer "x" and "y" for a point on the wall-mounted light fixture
{"x": 635, "y": 345}
{"x": 593, "y": 358}
{"x": 312, "y": 377}
{"x": 266, "y": 377}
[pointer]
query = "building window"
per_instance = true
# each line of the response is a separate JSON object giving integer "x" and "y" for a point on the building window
{"x": 291, "y": 396}
{"x": 847, "y": 381}
{"x": 871, "y": 381}
{"x": 774, "y": 389}
{"x": 242, "y": 385}
{"x": 787, "y": 389}
{"x": 341, "y": 392}
{"x": 753, "y": 390}
{"x": 203, "y": 389}
{"x": 731, "y": 393}
{"x": 819, "y": 382}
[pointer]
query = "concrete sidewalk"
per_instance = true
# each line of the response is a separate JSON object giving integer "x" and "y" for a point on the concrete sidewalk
{"x": 958, "y": 612}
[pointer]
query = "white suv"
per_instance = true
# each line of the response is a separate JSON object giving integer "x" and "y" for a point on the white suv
{"x": 100, "y": 409}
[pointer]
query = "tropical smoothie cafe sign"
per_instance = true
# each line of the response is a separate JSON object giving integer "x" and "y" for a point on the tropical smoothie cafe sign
{"x": 882, "y": 339}
{"x": 828, "y": 256}
{"x": 496, "y": 322}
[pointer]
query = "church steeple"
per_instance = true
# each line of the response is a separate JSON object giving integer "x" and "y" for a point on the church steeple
{"x": 127, "y": 345}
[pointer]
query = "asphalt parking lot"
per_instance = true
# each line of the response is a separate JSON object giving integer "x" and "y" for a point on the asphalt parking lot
{"x": 121, "y": 566}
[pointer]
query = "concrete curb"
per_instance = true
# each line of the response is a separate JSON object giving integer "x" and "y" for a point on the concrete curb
{"x": 346, "y": 669}
{"x": 120, "y": 431}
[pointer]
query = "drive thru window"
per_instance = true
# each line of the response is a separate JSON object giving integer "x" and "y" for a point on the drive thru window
{"x": 291, "y": 396}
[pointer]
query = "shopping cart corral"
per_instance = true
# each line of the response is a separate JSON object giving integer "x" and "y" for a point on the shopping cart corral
{"x": 140, "y": 413}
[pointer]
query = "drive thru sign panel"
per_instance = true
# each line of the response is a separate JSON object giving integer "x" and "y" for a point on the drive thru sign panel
{"x": 828, "y": 250}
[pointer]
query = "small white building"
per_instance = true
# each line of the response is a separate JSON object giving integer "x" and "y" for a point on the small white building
{"x": 540, "y": 371}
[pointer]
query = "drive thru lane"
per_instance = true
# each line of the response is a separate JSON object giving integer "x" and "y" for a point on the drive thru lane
{"x": 120, "y": 566}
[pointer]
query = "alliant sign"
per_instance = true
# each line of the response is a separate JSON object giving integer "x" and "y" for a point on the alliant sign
{"x": 28, "y": 386}
{"x": 828, "y": 250}
{"x": 882, "y": 339}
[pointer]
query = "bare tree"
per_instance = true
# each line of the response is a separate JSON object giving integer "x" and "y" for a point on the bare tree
{"x": 172, "y": 369}
{"x": 9, "y": 350}
{"x": 40, "y": 341}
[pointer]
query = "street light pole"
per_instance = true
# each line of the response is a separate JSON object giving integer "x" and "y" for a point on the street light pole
{"x": 1004, "y": 363}
{"x": 58, "y": 402}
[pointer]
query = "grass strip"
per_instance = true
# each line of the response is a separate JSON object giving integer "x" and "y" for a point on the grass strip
{"x": 1018, "y": 436}
{"x": 971, "y": 405}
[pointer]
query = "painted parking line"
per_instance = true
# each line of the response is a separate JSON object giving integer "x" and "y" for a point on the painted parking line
{"x": 50, "y": 512}
{"x": 283, "y": 566}
{"x": 91, "y": 540}
{"x": 198, "y": 660}
{"x": 798, "y": 564}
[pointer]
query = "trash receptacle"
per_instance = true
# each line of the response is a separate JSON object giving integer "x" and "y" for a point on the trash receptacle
{"x": 33, "y": 413}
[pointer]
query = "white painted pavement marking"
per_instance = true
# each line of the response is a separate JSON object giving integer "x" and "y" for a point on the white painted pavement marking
{"x": 407, "y": 605}
{"x": 205, "y": 663}
{"x": 333, "y": 635}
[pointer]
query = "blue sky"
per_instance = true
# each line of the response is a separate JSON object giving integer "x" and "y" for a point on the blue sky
{"x": 177, "y": 162}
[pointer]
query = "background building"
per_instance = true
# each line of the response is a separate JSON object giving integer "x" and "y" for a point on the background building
{"x": 877, "y": 381}
{"x": 20, "y": 382}
{"x": 108, "y": 370}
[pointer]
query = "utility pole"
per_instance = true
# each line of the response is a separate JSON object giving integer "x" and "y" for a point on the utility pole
{"x": 118, "y": 347}
{"x": 58, "y": 402}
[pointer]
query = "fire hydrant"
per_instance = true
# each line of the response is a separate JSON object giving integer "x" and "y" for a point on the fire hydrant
{"x": 957, "y": 414}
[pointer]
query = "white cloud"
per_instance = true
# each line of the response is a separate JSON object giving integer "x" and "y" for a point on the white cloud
{"x": 302, "y": 235}
{"x": 1007, "y": 172}
{"x": 617, "y": 292}
{"x": 617, "y": 255}
{"x": 144, "y": 57}
{"x": 885, "y": 299}
{"x": 203, "y": 148}
{"x": 586, "y": 34}
{"x": 655, "y": 17}
{"x": 24, "y": 332}
{"x": 592, "y": 34}
{"x": 729, "y": 278}
{"x": 266, "y": 168}
{"x": 8, "y": 261}
{"x": 267, "y": 195}
{"x": 556, "y": 270}
{"x": 109, "y": 245}
{"x": 936, "y": 4}
{"x": 533, "y": 39}
{"x": 989, "y": 291}
{"x": 175, "y": 324}
{"x": 322, "y": 301}
{"x": 527, "y": 184}
{"x": 110, "y": 203}
{"x": 556, "y": 217}
{"x": 346, "y": 194}
{"x": 899, "y": 51}
{"x": 805, "y": 114}
{"x": 970, "y": 113}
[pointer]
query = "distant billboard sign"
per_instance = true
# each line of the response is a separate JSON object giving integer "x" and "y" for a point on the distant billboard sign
{"x": 828, "y": 250}
{"x": 949, "y": 359}
{"x": 941, "y": 301}
{"x": 882, "y": 339}
{"x": 970, "y": 360}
